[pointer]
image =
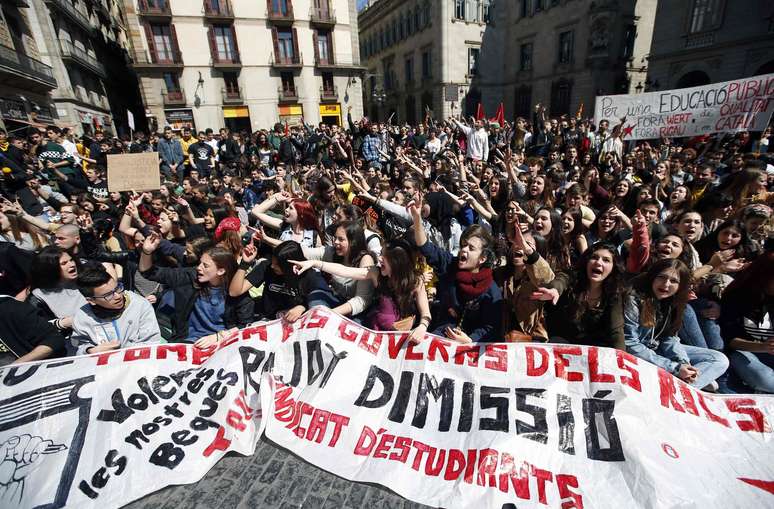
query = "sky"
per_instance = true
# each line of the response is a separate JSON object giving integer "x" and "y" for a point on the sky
{"x": 361, "y": 4}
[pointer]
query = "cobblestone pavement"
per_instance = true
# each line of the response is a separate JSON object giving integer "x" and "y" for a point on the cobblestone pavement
{"x": 272, "y": 477}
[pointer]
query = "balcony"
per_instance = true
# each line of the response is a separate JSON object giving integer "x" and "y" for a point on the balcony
{"x": 17, "y": 69}
{"x": 69, "y": 10}
{"x": 232, "y": 96}
{"x": 329, "y": 93}
{"x": 286, "y": 62}
{"x": 154, "y": 10}
{"x": 324, "y": 63}
{"x": 279, "y": 16}
{"x": 174, "y": 98}
{"x": 287, "y": 95}
{"x": 79, "y": 55}
{"x": 218, "y": 10}
{"x": 102, "y": 10}
{"x": 169, "y": 61}
{"x": 324, "y": 18}
{"x": 224, "y": 61}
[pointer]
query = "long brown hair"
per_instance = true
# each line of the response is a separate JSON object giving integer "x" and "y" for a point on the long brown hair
{"x": 223, "y": 259}
{"x": 644, "y": 285}
{"x": 404, "y": 278}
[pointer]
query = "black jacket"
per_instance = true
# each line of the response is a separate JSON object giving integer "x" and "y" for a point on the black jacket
{"x": 182, "y": 281}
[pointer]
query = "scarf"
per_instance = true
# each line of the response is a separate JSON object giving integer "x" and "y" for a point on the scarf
{"x": 473, "y": 284}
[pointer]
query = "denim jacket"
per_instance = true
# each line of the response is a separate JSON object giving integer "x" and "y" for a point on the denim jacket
{"x": 652, "y": 344}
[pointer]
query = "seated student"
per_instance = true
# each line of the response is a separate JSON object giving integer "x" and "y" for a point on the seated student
{"x": 202, "y": 306}
{"x": 285, "y": 293}
{"x": 24, "y": 335}
{"x": 470, "y": 301}
{"x": 399, "y": 287}
{"x": 653, "y": 315}
{"x": 55, "y": 293}
{"x": 587, "y": 301}
{"x": 113, "y": 318}
{"x": 747, "y": 322}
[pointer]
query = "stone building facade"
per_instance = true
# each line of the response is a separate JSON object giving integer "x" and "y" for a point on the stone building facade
{"x": 706, "y": 41}
{"x": 564, "y": 53}
{"x": 423, "y": 54}
{"x": 245, "y": 64}
{"x": 66, "y": 62}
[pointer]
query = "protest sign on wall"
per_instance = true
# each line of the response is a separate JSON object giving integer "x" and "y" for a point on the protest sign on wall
{"x": 133, "y": 172}
{"x": 731, "y": 106}
{"x": 448, "y": 425}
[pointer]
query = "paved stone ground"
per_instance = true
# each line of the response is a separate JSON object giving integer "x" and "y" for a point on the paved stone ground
{"x": 272, "y": 477}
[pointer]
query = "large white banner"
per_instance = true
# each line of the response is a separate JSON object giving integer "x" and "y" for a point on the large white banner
{"x": 496, "y": 425}
{"x": 731, "y": 106}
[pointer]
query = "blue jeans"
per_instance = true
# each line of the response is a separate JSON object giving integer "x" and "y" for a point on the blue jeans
{"x": 755, "y": 369}
{"x": 710, "y": 364}
{"x": 699, "y": 331}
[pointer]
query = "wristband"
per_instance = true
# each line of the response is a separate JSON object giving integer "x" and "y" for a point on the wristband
{"x": 243, "y": 265}
{"x": 147, "y": 253}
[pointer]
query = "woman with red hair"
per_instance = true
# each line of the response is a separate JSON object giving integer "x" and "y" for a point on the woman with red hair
{"x": 298, "y": 223}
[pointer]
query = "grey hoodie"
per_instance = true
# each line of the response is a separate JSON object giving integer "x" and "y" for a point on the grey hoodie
{"x": 137, "y": 325}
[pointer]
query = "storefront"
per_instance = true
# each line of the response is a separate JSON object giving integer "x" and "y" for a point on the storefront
{"x": 330, "y": 114}
{"x": 177, "y": 119}
{"x": 237, "y": 118}
{"x": 292, "y": 114}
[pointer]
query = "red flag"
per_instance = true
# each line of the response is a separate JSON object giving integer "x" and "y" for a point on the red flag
{"x": 287, "y": 129}
{"x": 480, "y": 115}
{"x": 499, "y": 116}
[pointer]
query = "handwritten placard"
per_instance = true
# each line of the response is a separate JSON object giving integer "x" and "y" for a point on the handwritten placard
{"x": 133, "y": 172}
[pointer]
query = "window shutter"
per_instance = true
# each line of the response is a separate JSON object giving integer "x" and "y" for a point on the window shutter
{"x": 275, "y": 40}
{"x": 268, "y": 7}
{"x": 331, "y": 58}
{"x": 235, "y": 57}
{"x": 176, "y": 57}
{"x": 315, "y": 41}
{"x": 290, "y": 10}
{"x": 296, "y": 54}
{"x": 213, "y": 44}
{"x": 151, "y": 43}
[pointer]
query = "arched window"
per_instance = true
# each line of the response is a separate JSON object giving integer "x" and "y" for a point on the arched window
{"x": 693, "y": 79}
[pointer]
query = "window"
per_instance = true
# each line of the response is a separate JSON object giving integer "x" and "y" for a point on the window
{"x": 285, "y": 45}
{"x": 427, "y": 70}
{"x": 426, "y": 10}
{"x": 327, "y": 79}
{"x": 705, "y": 15}
{"x": 231, "y": 82}
{"x": 561, "y": 92}
{"x": 526, "y": 8}
{"x": 459, "y": 9}
{"x": 525, "y": 58}
{"x": 288, "y": 85}
{"x": 279, "y": 7}
{"x": 554, "y": 3}
{"x": 523, "y": 101}
{"x": 224, "y": 43}
{"x": 323, "y": 47}
{"x": 162, "y": 42}
{"x": 409, "y": 24}
{"x": 409, "y": 70}
{"x": 473, "y": 54}
{"x": 171, "y": 82}
{"x": 630, "y": 34}
{"x": 395, "y": 31}
{"x": 417, "y": 19}
{"x": 565, "y": 47}
{"x": 539, "y": 5}
{"x": 402, "y": 27}
{"x": 485, "y": 7}
{"x": 389, "y": 75}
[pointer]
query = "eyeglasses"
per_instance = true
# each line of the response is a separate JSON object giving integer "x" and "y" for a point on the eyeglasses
{"x": 119, "y": 289}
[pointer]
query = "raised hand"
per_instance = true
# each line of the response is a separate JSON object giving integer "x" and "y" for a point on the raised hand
{"x": 414, "y": 208}
{"x": 545, "y": 294}
{"x": 638, "y": 220}
{"x": 151, "y": 243}
{"x": 299, "y": 267}
{"x": 249, "y": 252}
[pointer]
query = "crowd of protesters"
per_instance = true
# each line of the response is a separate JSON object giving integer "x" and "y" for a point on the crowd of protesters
{"x": 538, "y": 230}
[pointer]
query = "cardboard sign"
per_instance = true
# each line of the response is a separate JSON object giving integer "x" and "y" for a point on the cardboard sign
{"x": 731, "y": 106}
{"x": 133, "y": 172}
{"x": 450, "y": 425}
